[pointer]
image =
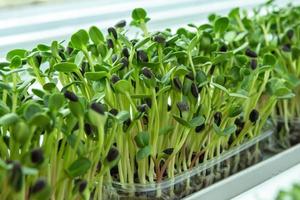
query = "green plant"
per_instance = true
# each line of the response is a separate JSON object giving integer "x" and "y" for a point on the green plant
{"x": 133, "y": 111}
{"x": 283, "y": 34}
{"x": 293, "y": 193}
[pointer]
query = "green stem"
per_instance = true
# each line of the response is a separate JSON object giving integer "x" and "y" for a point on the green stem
{"x": 87, "y": 56}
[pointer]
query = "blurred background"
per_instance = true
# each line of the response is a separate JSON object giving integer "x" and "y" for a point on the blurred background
{"x": 25, "y": 23}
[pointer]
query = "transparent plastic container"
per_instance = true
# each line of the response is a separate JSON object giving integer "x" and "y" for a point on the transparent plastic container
{"x": 287, "y": 133}
{"x": 199, "y": 177}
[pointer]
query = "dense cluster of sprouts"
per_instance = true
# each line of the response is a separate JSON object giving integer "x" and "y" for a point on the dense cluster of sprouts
{"x": 141, "y": 110}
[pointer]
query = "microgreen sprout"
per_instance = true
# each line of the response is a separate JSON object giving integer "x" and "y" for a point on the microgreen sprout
{"x": 105, "y": 109}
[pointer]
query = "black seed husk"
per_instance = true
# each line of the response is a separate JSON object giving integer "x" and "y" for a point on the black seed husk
{"x": 142, "y": 56}
{"x": 39, "y": 185}
{"x": 112, "y": 154}
{"x": 223, "y": 48}
{"x": 169, "y": 107}
{"x": 71, "y": 96}
{"x": 254, "y": 115}
{"x": 147, "y": 72}
{"x": 24, "y": 62}
{"x": 200, "y": 128}
{"x": 194, "y": 90}
{"x": 143, "y": 108}
{"x": 121, "y": 24}
{"x": 177, "y": 83}
{"x": 110, "y": 44}
{"x": 82, "y": 186}
{"x": 113, "y": 111}
{"x": 114, "y": 171}
{"x": 218, "y": 118}
{"x": 98, "y": 107}
{"x": 183, "y": 106}
{"x": 88, "y": 129}
{"x": 250, "y": 53}
{"x": 112, "y": 31}
{"x": 168, "y": 151}
{"x": 114, "y": 79}
{"x": 253, "y": 64}
{"x": 286, "y": 47}
{"x": 37, "y": 156}
{"x": 239, "y": 122}
{"x": 125, "y": 52}
{"x": 159, "y": 39}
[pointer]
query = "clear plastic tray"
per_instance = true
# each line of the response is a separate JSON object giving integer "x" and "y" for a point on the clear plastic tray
{"x": 293, "y": 123}
{"x": 287, "y": 133}
{"x": 201, "y": 176}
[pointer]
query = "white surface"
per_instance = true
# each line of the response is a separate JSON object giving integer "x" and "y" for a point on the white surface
{"x": 269, "y": 189}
